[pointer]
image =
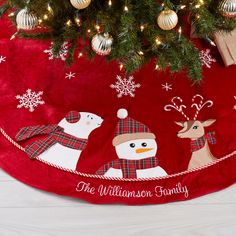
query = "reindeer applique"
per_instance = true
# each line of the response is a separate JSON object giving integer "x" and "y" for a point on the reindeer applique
{"x": 195, "y": 130}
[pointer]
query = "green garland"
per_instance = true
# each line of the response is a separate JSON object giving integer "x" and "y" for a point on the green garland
{"x": 174, "y": 50}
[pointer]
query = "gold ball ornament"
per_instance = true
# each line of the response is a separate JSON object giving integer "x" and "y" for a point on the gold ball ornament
{"x": 26, "y": 20}
{"x": 80, "y": 4}
{"x": 101, "y": 44}
{"x": 167, "y": 19}
{"x": 228, "y": 8}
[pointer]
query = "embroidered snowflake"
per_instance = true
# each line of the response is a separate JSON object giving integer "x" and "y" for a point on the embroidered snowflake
{"x": 62, "y": 54}
{"x": 167, "y": 87}
{"x": 70, "y": 75}
{"x": 125, "y": 87}
{"x": 30, "y": 100}
{"x": 206, "y": 58}
{"x": 2, "y": 59}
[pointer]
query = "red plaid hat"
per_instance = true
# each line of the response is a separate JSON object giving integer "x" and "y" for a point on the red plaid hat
{"x": 129, "y": 129}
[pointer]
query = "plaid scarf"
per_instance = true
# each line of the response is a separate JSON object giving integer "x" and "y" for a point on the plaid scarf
{"x": 56, "y": 135}
{"x": 129, "y": 167}
{"x": 200, "y": 142}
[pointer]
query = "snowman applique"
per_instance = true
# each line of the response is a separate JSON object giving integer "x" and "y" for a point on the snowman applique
{"x": 64, "y": 142}
{"x": 136, "y": 149}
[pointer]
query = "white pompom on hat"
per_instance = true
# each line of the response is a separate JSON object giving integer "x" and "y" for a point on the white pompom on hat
{"x": 122, "y": 113}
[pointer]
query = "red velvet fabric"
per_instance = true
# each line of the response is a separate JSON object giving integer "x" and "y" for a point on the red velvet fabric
{"x": 27, "y": 66}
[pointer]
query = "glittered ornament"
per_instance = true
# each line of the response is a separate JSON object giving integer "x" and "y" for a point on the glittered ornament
{"x": 228, "y": 8}
{"x": 167, "y": 19}
{"x": 101, "y": 44}
{"x": 26, "y": 20}
{"x": 80, "y": 4}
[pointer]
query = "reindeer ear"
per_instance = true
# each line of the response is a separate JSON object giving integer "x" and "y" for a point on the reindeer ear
{"x": 180, "y": 123}
{"x": 208, "y": 122}
{"x": 73, "y": 117}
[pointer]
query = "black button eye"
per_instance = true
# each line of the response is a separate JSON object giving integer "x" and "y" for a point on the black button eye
{"x": 195, "y": 127}
{"x": 144, "y": 144}
{"x": 132, "y": 145}
{"x": 91, "y": 118}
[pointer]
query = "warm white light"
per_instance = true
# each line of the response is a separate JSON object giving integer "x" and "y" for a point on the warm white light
{"x": 142, "y": 28}
{"x": 11, "y": 14}
{"x": 78, "y": 21}
{"x": 49, "y": 8}
{"x": 126, "y": 8}
{"x": 68, "y": 23}
{"x": 180, "y": 30}
{"x": 97, "y": 27}
{"x": 13, "y": 36}
{"x": 45, "y": 17}
{"x": 212, "y": 43}
{"x": 158, "y": 42}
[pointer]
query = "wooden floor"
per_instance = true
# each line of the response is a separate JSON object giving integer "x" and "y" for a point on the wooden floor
{"x": 27, "y": 211}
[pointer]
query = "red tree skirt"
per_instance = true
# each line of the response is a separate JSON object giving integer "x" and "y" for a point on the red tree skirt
{"x": 140, "y": 157}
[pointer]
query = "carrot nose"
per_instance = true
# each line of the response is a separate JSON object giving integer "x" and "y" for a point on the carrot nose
{"x": 142, "y": 150}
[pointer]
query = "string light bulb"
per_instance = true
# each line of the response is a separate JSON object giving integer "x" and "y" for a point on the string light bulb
{"x": 49, "y": 8}
{"x": 180, "y": 32}
{"x": 212, "y": 43}
{"x": 68, "y": 23}
{"x": 126, "y": 8}
{"x": 11, "y": 14}
{"x": 200, "y": 3}
{"x": 109, "y": 3}
{"x": 13, "y": 36}
{"x": 80, "y": 55}
{"x": 121, "y": 66}
{"x": 158, "y": 42}
{"x": 78, "y": 21}
{"x": 97, "y": 27}
{"x": 45, "y": 17}
{"x": 141, "y": 53}
{"x": 142, "y": 27}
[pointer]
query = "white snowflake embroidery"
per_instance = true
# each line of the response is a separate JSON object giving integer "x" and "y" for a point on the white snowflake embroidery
{"x": 206, "y": 58}
{"x": 70, "y": 75}
{"x": 125, "y": 87}
{"x": 2, "y": 59}
{"x": 62, "y": 54}
{"x": 30, "y": 100}
{"x": 167, "y": 87}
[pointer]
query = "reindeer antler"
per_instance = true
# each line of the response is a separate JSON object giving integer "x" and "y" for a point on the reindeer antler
{"x": 178, "y": 108}
{"x": 199, "y": 106}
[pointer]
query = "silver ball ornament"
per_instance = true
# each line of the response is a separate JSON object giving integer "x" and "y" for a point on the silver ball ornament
{"x": 167, "y": 19}
{"x": 26, "y": 20}
{"x": 228, "y": 8}
{"x": 101, "y": 44}
{"x": 80, "y": 4}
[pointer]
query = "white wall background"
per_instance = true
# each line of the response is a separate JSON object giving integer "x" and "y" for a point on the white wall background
{"x": 27, "y": 211}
